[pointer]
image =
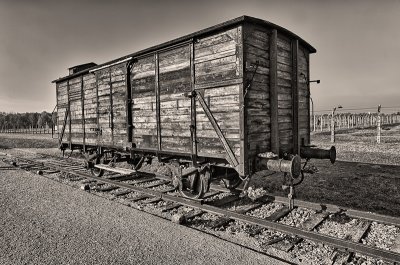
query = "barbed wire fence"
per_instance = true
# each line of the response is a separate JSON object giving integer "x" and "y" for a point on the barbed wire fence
{"x": 371, "y": 117}
{"x": 47, "y": 129}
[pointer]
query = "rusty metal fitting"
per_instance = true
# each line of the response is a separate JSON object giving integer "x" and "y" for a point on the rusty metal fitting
{"x": 318, "y": 153}
{"x": 293, "y": 166}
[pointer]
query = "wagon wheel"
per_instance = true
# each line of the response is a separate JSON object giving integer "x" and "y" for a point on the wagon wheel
{"x": 231, "y": 181}
{"x": 138, "y": 164}
{"x": 97, "y": 172}
{"x": 192, "y": 187}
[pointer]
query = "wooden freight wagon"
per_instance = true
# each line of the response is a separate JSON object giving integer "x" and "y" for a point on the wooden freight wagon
{"x": 234, "y": 96}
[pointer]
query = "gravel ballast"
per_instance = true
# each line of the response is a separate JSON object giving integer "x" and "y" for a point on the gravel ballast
{"x": 46, "y": 222}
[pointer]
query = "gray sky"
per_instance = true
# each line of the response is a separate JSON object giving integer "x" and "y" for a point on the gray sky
{"x": 357, "y": 42}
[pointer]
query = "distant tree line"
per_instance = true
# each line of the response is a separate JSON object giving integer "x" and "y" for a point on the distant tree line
{"x": 27, "y": 120}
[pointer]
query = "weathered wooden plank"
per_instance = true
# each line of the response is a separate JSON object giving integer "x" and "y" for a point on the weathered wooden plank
{"x": 138, "y": 118}
{"x": 214, "y": 49}
{"x": 295, "y": 96}
{"x": 178, "y": 76}
{"x": 218, "y": 63}
{"x": 215, "y": 69}
{"x": 284, "y": 118}
{"x": 255, "y": 55}
{"x": 217, "y": 76}
{"x": 216, "y": 39}
{"x": 174, "y": 65}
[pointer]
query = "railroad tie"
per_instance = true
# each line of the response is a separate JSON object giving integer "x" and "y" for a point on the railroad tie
{"x": 121, "y": 193}
{"x": 144, "y": 180}
{"x": 222, "y": 221}
{"x": 153, "y": 200}
{"x": 314, "y": 221}
{"x": 169, "y": 190}
{"x": 286, "y": 243}
{"x": 162, "y": 182}
{"x": 7, "y": 168}
{"x": 139, "y": 198}
{"x": 279, "y": 214}
{"x": 224, "y": 200}
{"x": 108, "y": 189}
{"x": 396, "y": 245}
{"x": 170, "y": 206}
{"x": 193, "y": 214}
{"x": 340, "y": 256}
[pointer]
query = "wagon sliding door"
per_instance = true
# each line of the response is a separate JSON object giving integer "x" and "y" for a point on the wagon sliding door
{"x": 144, "y": 103}
{"x": 62, "y": 109}
{"x": 90, "y": 105}
{"x": 174, "y": 81}
{"x": 111, "y": 114}
{"x": 104, "y": 107}
{"x": 218, "y": 78}
{"x": 75, "y": 118}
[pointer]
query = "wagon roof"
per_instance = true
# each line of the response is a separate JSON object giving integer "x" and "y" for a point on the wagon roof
{"x": 196, "y": 34}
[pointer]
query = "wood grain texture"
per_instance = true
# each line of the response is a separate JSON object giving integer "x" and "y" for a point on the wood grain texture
{"x": 257, "y": 84}
{"x": 251, "y": 85}
{"x": 285, "y": 97}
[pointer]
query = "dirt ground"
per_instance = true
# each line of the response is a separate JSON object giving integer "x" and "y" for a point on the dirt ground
{"x": 360, "y": 186}
{"x": 366, "y": 175}
{"x": 46, "y": 222}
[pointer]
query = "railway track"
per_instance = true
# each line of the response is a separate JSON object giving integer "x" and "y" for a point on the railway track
{"x": 346, "y": 235}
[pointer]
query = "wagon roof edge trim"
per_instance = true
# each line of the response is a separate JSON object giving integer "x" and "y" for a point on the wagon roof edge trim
{"x": 199, "y": 33}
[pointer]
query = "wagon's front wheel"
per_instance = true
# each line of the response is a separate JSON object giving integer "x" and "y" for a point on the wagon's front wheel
{"x": 192, "y": 187}
{"x": 97, "y": 172}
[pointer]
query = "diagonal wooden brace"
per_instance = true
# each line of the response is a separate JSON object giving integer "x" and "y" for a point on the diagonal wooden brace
{"x": 230, "y": 155}
{"x": 64, "y": 125}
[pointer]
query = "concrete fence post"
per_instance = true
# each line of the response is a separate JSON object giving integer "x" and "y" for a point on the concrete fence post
{"x": 314, "y": 123}
{"x": 378, "y": 125}
{"x": 322, "y": 122}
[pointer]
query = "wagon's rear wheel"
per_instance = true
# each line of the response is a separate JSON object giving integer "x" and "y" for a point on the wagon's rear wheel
{"x": 231, "y": 180}
{"x": 231, "y": 183}
{"x": 97, "y": 172}
{"x": 192, "y": 186}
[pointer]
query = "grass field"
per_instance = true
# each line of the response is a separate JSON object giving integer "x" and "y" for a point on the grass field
{"x": 360, "y": 144}
{"x": 13, "y": 140}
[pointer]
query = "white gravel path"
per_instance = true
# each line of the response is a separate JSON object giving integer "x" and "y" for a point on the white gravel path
{"x": 46, "y": 222}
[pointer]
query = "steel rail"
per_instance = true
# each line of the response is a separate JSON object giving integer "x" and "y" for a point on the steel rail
{"x": 310, "y": 235}
{"x": 384, "y": 219}
{"x": 370, "y": 216}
